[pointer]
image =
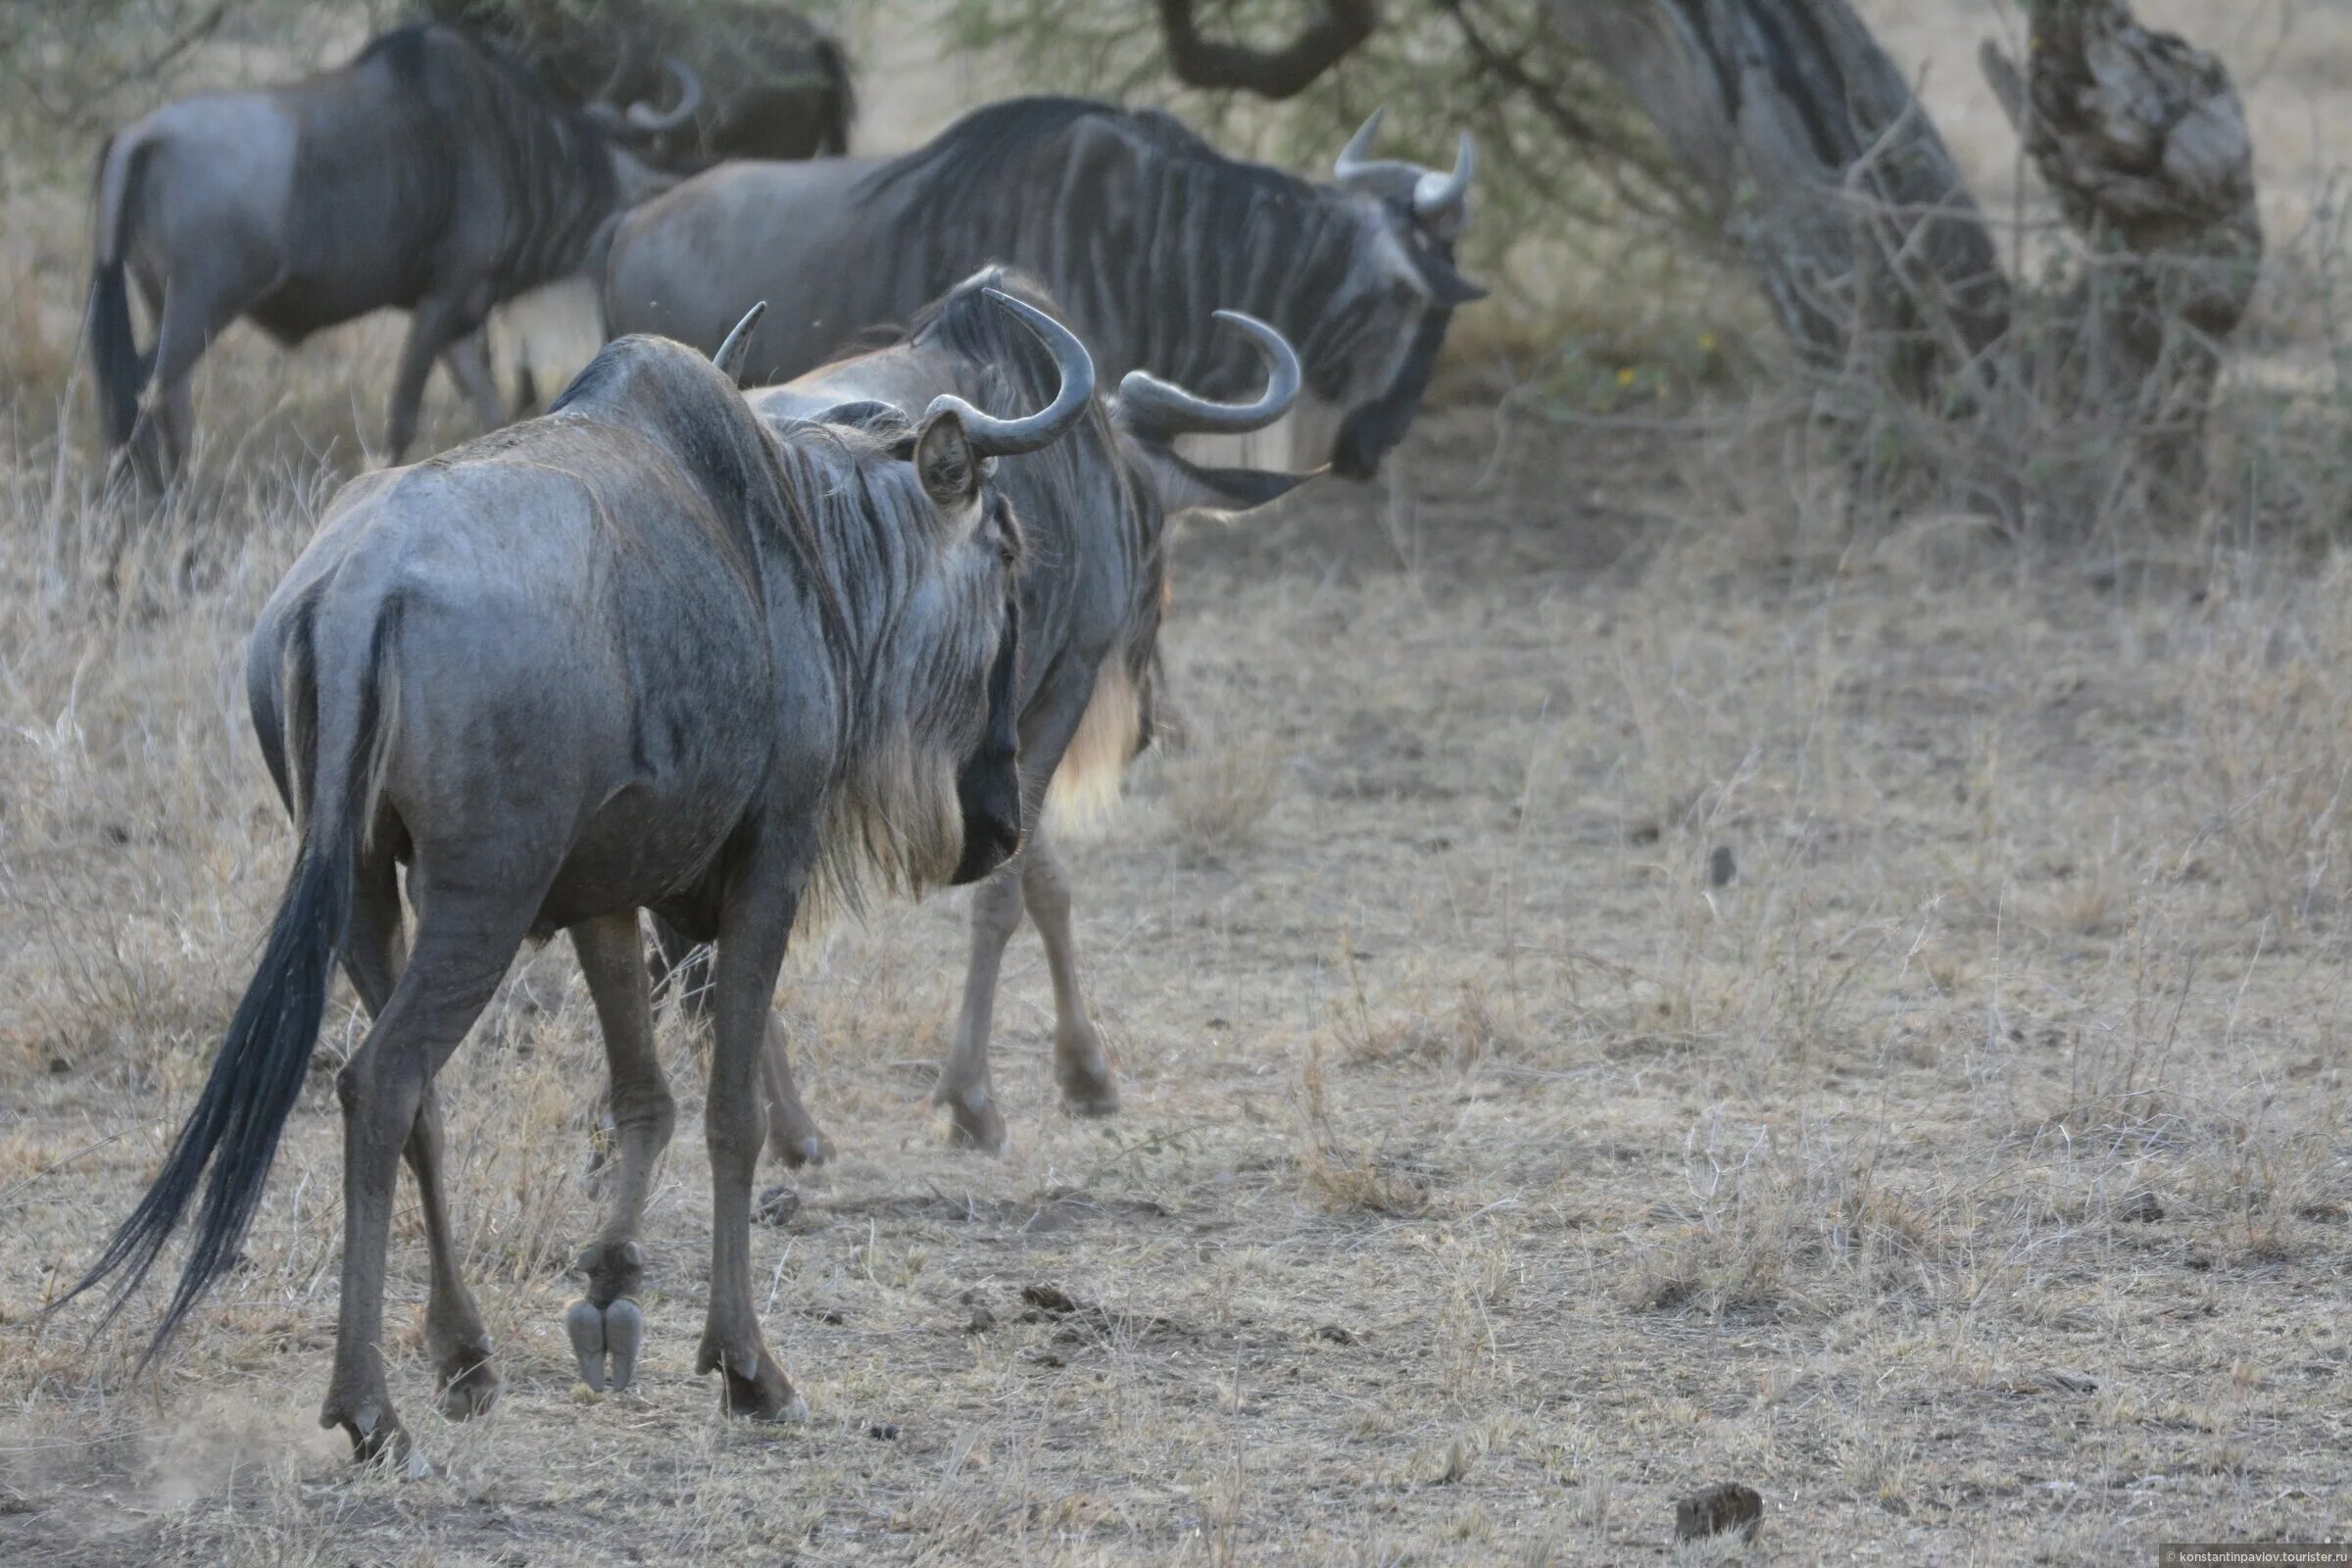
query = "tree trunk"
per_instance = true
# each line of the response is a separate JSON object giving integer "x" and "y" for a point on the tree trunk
{"x": 2141, "y": 138}
{"x": 1831, "y": 180}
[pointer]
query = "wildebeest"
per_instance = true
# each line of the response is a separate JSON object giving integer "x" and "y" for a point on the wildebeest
{"x": 433, "y": 172}
{"x": 776, "y": 84}
{"x": 1136, "y": 225}
{"x": 643, "y": 652}
{"x": 1094, "y": 513}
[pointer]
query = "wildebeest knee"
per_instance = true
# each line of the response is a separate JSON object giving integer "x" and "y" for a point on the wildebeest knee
{"x": 647, "y": 1105}
{"x": 1047, "y": 887}
{"x": 997, "y": 907}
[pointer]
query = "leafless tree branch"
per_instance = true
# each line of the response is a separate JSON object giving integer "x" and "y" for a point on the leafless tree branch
{"x": 1277, "y": 74}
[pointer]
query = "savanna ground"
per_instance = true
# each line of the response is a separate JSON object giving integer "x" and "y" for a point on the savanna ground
{"x": 1632, "y": 980}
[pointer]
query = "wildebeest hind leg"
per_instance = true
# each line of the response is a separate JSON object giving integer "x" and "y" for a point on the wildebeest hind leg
{"x": 1080, "y": 1065}
{"x": 753, "y": 932}
{"x": 964, "y": 1086}
{"x": 608, "y": 1326}
{"x": 374, "y": 954}
{"x": 374, "y": 949}
{"x": 793, "y": 1135}
{"x": 453, "y": 1334}
{"x": 198, "y": 306}
{"x": 462, "y": 951}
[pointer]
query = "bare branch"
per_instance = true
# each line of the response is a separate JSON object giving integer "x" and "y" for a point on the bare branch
{"x": 1278, "y": 74}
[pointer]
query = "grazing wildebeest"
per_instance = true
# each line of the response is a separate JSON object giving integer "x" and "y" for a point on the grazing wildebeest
{"x": 776, "y": 84}
{"x": 644, "y": 653}
{"x": 1137, "y": 226}
{"x": 433, "y": 172}
{"x": 1095, "y": 510}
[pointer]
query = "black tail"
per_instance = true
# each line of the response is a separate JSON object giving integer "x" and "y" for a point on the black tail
{"x": 114, "y": 353}
{"x": 259, "y": 1073}
{"x": 841, "y": 100}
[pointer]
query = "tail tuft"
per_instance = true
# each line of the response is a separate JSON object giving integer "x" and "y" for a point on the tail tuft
{"x": 122, "y": 372}
{"x": 230, "y": 1139}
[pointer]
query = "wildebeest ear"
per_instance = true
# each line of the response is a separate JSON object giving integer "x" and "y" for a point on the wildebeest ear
{"x": 944, "y": 459}
{"x": 1190, "y": 487}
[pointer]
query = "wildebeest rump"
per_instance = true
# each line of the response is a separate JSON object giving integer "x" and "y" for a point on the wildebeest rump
{"x": 643, "y": 652}
{"x": 776, "y": 84}
{"x": 1137, "y": 226}
{"x": 1094, "y": 513}
{"x": 433, "y": 172}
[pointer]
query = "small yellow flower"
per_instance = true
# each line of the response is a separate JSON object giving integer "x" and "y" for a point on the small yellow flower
{"x": 1706, "y": 342}
{"x": 1625, "y": 377}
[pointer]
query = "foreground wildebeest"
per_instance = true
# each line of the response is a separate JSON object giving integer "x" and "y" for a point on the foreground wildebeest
{"x": 776, "y": 84}
{"x": 1094, "y": 513}
{"x": 643, "y": 652}
{"x": 433, "y": 172}
{"x": 1136, "y": 226}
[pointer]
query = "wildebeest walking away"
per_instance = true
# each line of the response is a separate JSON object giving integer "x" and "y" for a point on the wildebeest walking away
{"x": 1094, "y": 512}
{"x": 1137, "y": 226}
{"x": 776, "y": 84}
{"x": 644, "y": 652}
{"x": 433, "y": 172}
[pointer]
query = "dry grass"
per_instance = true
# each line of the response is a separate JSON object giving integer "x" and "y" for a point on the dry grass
{"x": 1969, "y": 1171}
{"x": 1628, "y": 988}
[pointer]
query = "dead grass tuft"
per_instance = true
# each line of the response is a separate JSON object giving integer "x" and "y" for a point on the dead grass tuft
{"x": 1222, "y": 786}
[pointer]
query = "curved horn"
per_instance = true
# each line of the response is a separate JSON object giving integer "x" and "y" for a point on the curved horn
{"x": 1150, "y": 407}
{"x": 729, "y": 358}
{"x": 1355, "y": 159}
{"x": 994, "y": 437}
{"x": 1435, "y": 194}
{"x": 645, "y": 117}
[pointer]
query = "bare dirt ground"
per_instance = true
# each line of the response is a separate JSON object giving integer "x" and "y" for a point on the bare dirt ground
{"x": 1626, "y": 985}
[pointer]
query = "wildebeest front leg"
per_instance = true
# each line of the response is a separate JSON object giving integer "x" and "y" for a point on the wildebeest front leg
{"x": 752, "y": 939}
{"x": 455, "y": 967}
{"x": 965, "y": 1087}
{"x": 437, "y": 323}
{"x": 467, "y": 362}
{"x": 1080, "y": 1065}
{"x": 608, "y": 1326}
{"x": 793, "y": 1135}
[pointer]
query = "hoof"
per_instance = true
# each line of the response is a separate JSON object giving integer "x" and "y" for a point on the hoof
{"x": 614, "y": 1269}
{"x": 606, "y": 1339}
{"x": 376, "y": 1436}
{"x": 1082, "y": 1069}
{"x": 469, "y": 1386}
{"x": 1084, "y": 1097}
{"x": 750, "y": 1382}
{"x": 800, "y": 1151}
{"x": 766, "y": 1395}
{"x": 973, "y": 1120}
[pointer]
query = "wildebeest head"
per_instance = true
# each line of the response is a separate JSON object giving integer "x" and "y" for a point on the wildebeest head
{"x": 1374, "y": 354}
{"x": 959, "y": 613}
{"x": 1095, "y": 506}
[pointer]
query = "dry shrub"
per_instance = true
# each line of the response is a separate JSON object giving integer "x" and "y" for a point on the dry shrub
{"x": 1222, "y": 786}
{"x": 1336, "y": 1175}
{"x": 1801, "y": 1231}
